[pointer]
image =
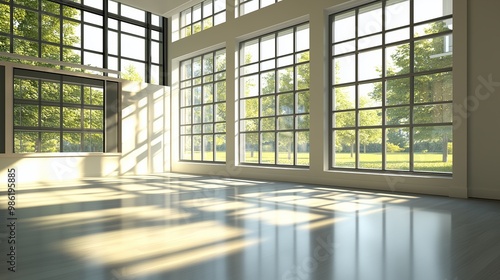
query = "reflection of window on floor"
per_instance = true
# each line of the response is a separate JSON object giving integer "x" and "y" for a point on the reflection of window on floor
{"x": 391, "y": 86}
{"x": 56, "y": 113}
{"x": 274, "y": 98}
{"x": 203, "y": 107}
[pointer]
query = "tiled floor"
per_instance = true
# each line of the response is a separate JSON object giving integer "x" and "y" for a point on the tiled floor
{"x": 201, "y": 228}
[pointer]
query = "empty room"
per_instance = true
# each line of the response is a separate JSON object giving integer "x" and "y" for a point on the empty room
{"x": 249, "y": 140}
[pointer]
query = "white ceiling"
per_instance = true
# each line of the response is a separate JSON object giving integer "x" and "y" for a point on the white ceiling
{"x": 160, "y": 7}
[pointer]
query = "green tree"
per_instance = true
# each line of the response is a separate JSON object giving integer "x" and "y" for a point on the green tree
{"x": 280, "y": 106}
{"x": 130, "y": 73}
{"x": 429, "y": 54}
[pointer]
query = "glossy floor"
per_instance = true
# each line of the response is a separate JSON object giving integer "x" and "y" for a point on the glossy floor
{"x": 202, "y": 228}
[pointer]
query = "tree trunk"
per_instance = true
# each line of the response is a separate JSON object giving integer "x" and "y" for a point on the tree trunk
{"x": 445, "y": 149}
{"x": 251, "y": 153}
{"x": 364, "y": 148}
{"x": 352, "y": 150}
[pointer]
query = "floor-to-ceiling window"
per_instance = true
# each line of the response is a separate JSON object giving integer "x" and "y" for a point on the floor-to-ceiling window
{"x": 203, "y": 107}
{"x": 391, "y": 87}
{"x": 274, "y": 98}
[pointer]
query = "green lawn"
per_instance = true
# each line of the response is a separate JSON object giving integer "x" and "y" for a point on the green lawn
{"x": 430, "y": 162}
{"x": 397, "y": 161}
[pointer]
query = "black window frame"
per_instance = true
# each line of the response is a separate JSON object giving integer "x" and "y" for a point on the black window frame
{"x": 276, "y": 94}
{"x": 411, "y": 75}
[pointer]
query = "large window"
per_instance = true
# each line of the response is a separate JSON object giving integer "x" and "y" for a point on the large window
{"x": 274, "y": 98}
{"x": 203, "y": 108}
{"x": 202, "y": 16}
{"x": 99, "y": 33}
{"x": 57, "y": 113}
{"x": 391, "y": 94}
{"x": 248, "y": 6}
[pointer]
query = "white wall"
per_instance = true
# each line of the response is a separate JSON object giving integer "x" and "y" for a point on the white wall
{"x": 145, "y": 139}
{"x": 145, "y": 118}
{"x": 484, "y": 99}
{"x": 287, "y": 13}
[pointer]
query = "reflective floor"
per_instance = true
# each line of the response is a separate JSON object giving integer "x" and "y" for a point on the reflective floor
{"x": 202, "y": 228}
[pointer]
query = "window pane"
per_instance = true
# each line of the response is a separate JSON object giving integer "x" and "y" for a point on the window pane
{"x": 397, "y": 60}
{"x": 72, "y": 142}
{"x": 95, "y": 35}
{"x": 370, "y": 19}
{"x": 429, "y": 9}
{"x": 285, "y": 42}
{"x": 344, "y": 98}
{"x": 370, "y": 65}
{"x": 208, "y": 147}
{"x": 249, "y": 52}
{"x": 370, "y": 117}
{"x": 133, "y": 47}
{"x": 428, "y": 114}
{"x": 25, "y": 142}
{"x": 370, "y": 95}
{"x": 268, "y": 106}
{"x": 345, "y": 149}
{"x": 50, "y": 91}
{"x": 250, "y": 147}
{"x": 397, "y": 115}
{"x": 26, "y": 89}
{"x": 285, "y": 79}
{"x": 433, "y": 149}
{"x": 220, "y": 147}
{"x": 434, "y": 88}
{"x": 133, "y": 13}
{"x": 268, "y": 148}
{"x": 250, "y": 86}
{"x": 302, "y": 38}
{"x": 344, "y": 119}
{"x": 397, "y": 13}
{"x": 433, "y": 27}
{"x": 286, "y": 145}
{"x": 302, "y": 76}
{"x": 370, "y": 154}
{"x": 303, "y": 148}
{"x": 26, "y": 115}
{"x": 93, "y": 142}
{"x": 186, "y": 147}
{"x": 285, "y": 104}
{"x": 197, "y": 147}
{"x": 50, "y": 29}
{"x": 397, "y": 91}
{"x": 72, "y": 118}
{"x": 220, "y": 89}
{"x": 93, "y": 96}
{"x": 72, "y": 94}
{"x": 51, "y": 117}
{"x": 434, "y": 53}
{"x": 133, "y": 71}
{"x": 344, "y": 69}
{"x": 302, "y": 102}
{"x": 397, "y": 149}
{"x": 26, "y": 23}
{"x": 344, "y": 26}
{"x": 50, "y": 142}
{"x": 249, "y": 108}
